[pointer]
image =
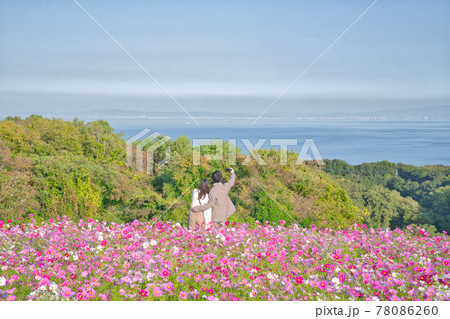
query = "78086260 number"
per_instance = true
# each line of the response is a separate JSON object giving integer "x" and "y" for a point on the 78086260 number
{"x": 407, "y": 310}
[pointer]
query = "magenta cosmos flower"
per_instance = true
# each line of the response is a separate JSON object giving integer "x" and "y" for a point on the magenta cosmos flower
{"x": 165, "y": 273}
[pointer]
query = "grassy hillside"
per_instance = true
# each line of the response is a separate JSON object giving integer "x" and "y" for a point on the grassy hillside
{"x": 51, "y": 167}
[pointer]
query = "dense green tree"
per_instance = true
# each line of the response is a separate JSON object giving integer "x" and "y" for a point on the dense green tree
{"x": 436, "y": 208}
{"x": 413, "y": 184}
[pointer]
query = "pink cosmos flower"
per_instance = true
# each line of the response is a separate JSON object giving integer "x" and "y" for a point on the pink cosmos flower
{"x": 11, "y": 298}
{"x": 165, "y": 273}
{"x": 157, "y": 292}
{"x": 66, "y": 292}
{"x": 323, "y": 285}
{"x": 143, "y": 293}
{"x": 205, "y": 259}
{"x": 183, "y": 295}
{"x": 102, "y": 297}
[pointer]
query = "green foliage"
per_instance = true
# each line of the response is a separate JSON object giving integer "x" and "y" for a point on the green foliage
{"x": 396, "y": 195}
{"x": 17, "y": 196}
{"x": 436, "y": 208}
{"x": 52, "y": 167}
{"x": 388, "y": 209}
{"x": 38, "y": 136}
{"x": 267, "y": 209}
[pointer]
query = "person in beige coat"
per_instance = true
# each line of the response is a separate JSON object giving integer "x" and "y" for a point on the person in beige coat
{"x": 218, "y": 199}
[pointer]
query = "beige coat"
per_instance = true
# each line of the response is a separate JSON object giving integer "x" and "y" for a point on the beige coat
{"x": 220, "y": 202}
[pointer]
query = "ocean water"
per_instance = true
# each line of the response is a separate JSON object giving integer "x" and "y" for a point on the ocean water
{"x": 416, "y": 142}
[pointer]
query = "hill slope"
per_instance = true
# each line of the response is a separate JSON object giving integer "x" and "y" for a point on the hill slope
{"x": 51, "y": 167}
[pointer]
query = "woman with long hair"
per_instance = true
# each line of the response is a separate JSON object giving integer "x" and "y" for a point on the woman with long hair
{"x": 200, "y": 197}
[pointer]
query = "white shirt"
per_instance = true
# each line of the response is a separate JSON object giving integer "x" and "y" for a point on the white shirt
{"x": 196, "y": 202}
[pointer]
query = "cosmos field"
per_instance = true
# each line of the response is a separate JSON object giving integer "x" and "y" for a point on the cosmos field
{"x": 89, "y": 260}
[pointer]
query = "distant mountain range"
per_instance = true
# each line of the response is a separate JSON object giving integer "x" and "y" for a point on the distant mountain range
{"x": 426, "y": 113}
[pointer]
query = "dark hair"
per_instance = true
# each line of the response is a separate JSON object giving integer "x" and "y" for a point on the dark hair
{"x": 216, "y": 176}
{"x": 203, "y": 188}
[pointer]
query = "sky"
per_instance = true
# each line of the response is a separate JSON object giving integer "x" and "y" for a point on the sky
{"x": 223, "y": 56}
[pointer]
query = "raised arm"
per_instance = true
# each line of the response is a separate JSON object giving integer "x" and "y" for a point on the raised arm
{"x": 230, "y": 182}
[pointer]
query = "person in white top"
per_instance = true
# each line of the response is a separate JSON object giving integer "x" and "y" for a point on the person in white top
{"x": 200, "y": 197}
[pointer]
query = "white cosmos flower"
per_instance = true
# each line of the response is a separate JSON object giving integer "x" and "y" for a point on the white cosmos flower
{"x": 75, "y": 257}
{"x": 2, "y": 281}
{"x": 153, "y": 242}
{"x": 145, "y": 245}
{"x": 336, "y": 280}
{"x": 53, "y": 287}
{"x": 272, "y": 276}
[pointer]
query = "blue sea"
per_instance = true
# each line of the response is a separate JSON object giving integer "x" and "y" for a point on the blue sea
{"x": 416, "y": 142}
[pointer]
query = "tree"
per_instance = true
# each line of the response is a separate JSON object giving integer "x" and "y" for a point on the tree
{"x": 17, "y": 196}
{"x": 388, "y": 208}
{"x": 436, "y": 208}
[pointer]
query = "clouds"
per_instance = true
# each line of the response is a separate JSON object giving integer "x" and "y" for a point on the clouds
{"x": 200, "y": 50}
